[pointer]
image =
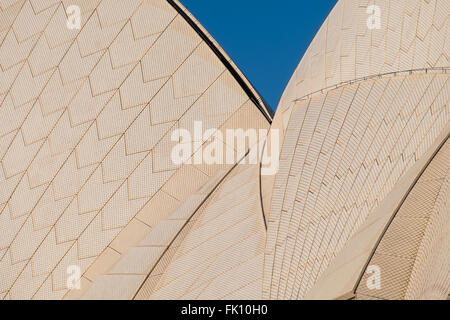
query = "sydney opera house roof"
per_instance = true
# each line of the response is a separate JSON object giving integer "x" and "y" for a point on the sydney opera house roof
{"x": 357, "y": 207}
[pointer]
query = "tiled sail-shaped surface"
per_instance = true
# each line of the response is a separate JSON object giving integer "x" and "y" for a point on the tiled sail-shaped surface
{"x": 86, "y": 119}
{"x": 412, "y": 253}
{"x": 364, "y": 105}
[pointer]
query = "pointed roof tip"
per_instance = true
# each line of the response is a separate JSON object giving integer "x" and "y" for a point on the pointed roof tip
{"x": 237, "y": 74}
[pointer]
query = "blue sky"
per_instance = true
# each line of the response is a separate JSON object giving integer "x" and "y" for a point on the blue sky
{"x": 266, "y": 39}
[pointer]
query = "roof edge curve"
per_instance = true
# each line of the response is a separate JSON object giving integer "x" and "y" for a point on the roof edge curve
{"x": 237, "y": 74}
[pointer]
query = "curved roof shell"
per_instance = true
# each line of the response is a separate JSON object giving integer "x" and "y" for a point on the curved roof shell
{"x": 364, "y": 106}
{"x": 88, "y": 120}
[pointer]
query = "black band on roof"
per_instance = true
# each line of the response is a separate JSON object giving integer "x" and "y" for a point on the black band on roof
{"x": 263, "y": 107}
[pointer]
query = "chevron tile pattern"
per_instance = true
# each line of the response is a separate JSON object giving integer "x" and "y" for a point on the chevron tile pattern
{"x": 88, "y": 119}
{"x": 354, "y": 144}
{"x": 410, "y": 253}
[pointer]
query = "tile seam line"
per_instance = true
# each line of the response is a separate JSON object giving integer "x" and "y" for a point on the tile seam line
{"x": 262, "y": 106}
{"x": 261, "y": 200}
{"x": 444, "y": 70}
